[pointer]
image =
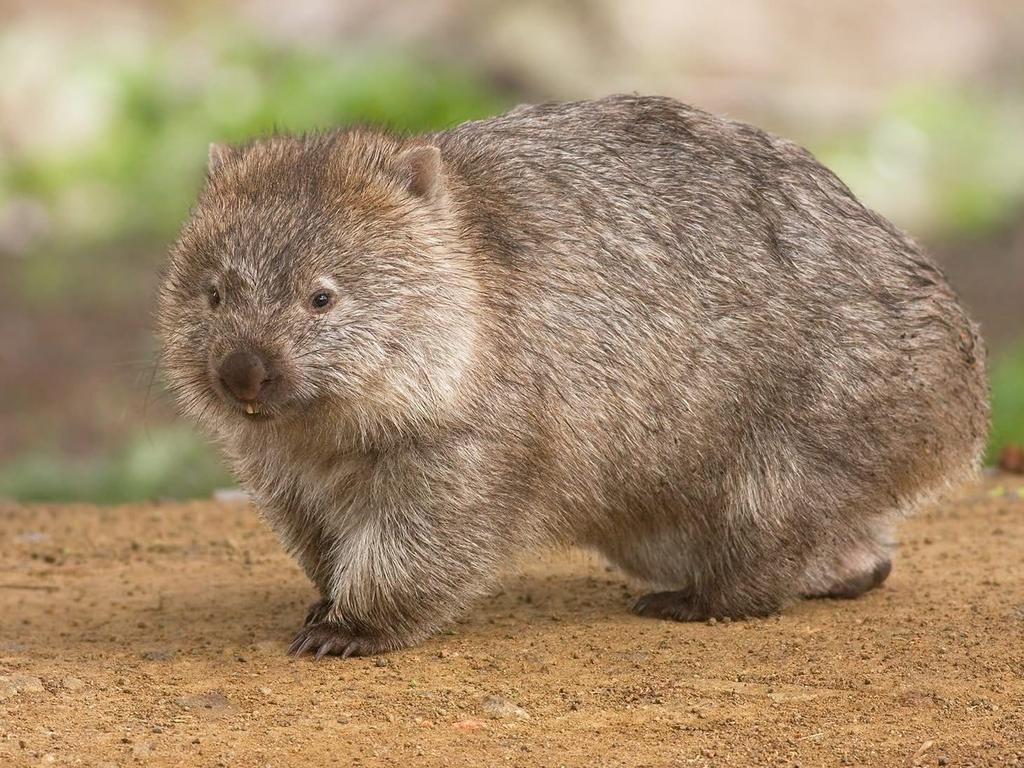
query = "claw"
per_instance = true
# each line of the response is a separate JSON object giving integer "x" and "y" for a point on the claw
{"x": 302, "y": 643}
{"x": 328, "y": 638}
{"x": 350, "y": 649}
{"x": 324, "y": 649}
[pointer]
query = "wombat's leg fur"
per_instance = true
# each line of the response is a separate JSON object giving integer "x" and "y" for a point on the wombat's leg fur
{"x": 308, "y": 550}
{"x": 403, "y": 558}
{"x": 317, "y": 612}
{"x": 332, "y": 626}
{"x": 391, "y": 584}
{"x": 303, "y": 536}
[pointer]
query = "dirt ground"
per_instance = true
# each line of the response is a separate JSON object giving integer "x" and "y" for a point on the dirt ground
{"x": 155, "y": 635}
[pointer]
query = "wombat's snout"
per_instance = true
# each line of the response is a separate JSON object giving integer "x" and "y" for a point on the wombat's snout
{"x": 245, "y": 375}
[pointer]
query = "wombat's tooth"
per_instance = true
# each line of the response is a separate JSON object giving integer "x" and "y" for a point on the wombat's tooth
{"x": 250, "y": 409}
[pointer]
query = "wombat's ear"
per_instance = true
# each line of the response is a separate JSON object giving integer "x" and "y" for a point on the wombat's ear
{"x": 219, "y": 154}
{"x": 420, "y": 168}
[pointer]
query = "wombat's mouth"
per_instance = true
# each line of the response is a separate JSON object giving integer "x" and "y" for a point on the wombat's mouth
{"x": 254, "y": 412}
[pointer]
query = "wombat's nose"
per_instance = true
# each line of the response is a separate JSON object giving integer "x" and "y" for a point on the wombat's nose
{"x": 243, "y": 374}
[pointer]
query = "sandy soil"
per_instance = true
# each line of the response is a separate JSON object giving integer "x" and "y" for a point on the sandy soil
{"x": 155, "y": 634}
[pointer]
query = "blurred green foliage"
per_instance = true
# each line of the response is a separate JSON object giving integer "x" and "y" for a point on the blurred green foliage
{"x": 939, "y": 160}
{"x": 1007, "y": 380}
{"x": 169, "y": 463}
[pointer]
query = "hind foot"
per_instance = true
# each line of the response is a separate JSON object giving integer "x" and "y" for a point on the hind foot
{"x": 677, "y": 606}
{"x": 682, "y": 606}
{"x": 856, "y": 584}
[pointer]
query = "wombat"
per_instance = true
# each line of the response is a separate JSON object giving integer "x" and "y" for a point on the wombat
{"x": 624, "y": 324}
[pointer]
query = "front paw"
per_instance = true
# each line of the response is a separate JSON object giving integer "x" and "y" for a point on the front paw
{"x": 330, "y": 638}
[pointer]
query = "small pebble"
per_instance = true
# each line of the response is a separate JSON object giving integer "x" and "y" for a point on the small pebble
{"x": 73, "y": 684}
{"x": 496, "y": 706}
{"x": 162, "y": 654}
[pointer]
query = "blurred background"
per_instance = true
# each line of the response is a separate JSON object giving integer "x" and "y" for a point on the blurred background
{"x": 107, "y": 108}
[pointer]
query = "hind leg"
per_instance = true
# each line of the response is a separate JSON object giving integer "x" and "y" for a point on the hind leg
{"x": 729, "y": 572}
{"x": 739, "y": 593}
{"x": 750, "y": 573}
{"x": 774, "y": 531}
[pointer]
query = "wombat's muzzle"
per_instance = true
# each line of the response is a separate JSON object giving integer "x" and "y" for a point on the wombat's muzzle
{"x": 246, "y": 375}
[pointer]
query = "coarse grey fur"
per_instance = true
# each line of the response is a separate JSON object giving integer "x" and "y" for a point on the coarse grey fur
{"x": 625, "y": 323}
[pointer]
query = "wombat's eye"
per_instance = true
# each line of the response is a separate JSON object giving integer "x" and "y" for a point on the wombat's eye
{"x": 321, "y": 301}
{"x": 213, "y": 296}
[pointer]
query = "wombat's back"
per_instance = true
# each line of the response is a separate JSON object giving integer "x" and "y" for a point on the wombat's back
{"x": 709, "y": 313}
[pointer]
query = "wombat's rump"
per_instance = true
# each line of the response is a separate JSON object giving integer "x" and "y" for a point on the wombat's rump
{"x": 624, "y": 323}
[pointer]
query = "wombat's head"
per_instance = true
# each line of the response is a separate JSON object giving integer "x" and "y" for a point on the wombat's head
{"x": 318, "y": 277}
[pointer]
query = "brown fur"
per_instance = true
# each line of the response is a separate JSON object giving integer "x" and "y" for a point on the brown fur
{"x": 626, "y": 324}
